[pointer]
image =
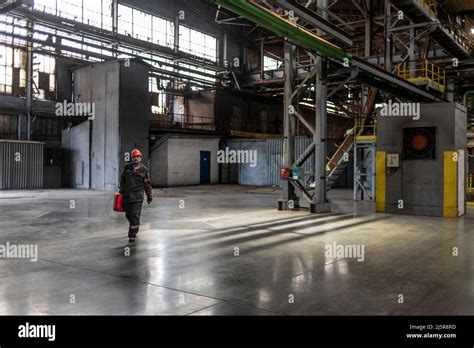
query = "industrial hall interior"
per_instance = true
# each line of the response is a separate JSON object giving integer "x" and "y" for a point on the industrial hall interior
{"x": 236, "y": 157}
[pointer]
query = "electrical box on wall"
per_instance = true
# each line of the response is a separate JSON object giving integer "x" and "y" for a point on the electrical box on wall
{"x": 297, "y": 173}
{"x": 393, "y": 160}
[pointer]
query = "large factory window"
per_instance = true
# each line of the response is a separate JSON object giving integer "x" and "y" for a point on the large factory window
{"x": 157, "y": 96}
{"x": 44, "y": 76}
{"x": 197, "y": 43}
{"x": 270, "y": 63}
{"x": 144, "y": 26}
{"x": 12, "y": 71}
{"x": 97, "y": 13}
{"x": 48, "y": 6}
{"x": 125, "y": 20}
{"x": 163, "y": 32}
{"x": 6, "y": 70}
{"x": 46, "y": 35}
{"x": 13, "y": 29}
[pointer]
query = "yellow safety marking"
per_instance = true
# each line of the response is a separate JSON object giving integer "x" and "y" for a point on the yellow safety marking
{"x": 450, "y": 208}
{"x": 380, "y": 181}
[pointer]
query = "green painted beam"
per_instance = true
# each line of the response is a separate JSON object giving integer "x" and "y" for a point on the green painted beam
{"x": 466, "y": 95}
{"x": 286, "y": 29}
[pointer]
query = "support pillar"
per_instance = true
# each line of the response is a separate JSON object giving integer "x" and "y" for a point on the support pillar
{"x": 368, "y": 30}
{"x": 114, "y": 26}
{"x": 411, "y": 52}
{"x": 320, "y": 204}
{"x": 29, "y": 77}
{"x": 288, "y": 192}
{"x": 388, "y": 36}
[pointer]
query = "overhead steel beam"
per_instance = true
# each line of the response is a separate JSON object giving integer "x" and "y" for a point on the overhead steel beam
{"x": 389, "y": 77}
{"x": 285, "y": 28}
{"x": 362, "y": 11}
{"x": 353, "y": 75}
{"x": 318, "y": 21}
{"x": 412, "y": 26}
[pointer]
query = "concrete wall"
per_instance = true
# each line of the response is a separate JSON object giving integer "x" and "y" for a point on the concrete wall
{"x": 159, "y": 165}
{"x": 120, "y": 95}
{"x": 248, "y": 175}
{"x": 200, "y": 111}
{"x": 99, "y": 84}
{"x": 75, "y": 143}
{"x": 133, "y": 109}
{"x": 176, "y": 161}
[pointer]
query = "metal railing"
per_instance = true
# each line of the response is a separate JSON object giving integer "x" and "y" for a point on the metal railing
{"x": 422, "y": 70}
{"x": 430, "y": 5}
{"x": 361, "y": 127}
{"x": 184, "y": 122}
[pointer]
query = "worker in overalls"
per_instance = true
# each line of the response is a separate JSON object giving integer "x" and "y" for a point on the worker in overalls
{"x": 135, "y": 181}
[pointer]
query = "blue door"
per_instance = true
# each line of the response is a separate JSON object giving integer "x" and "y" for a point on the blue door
{"x": 205, "y": 167}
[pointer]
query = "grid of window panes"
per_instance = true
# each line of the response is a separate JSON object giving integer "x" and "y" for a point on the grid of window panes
{"x": 6, "y": 69}
{"x": 10, "y": 30}
{"x": 10, "y": 59}
{"x": 197, "y": 43}
{"x": 270, "y": 63}
{"x": 78, "y": 42}
{"x": 43, "y": 64}
{"x": 97, "y": 13}
{"x": 133, "y": 22}
{"x": 144, "y": 26}
{"x": 46, "y": 36}
{"x": 156, "y": 86}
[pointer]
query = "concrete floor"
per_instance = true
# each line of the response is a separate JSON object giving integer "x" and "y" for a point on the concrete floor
{"x": 184, "y": 263}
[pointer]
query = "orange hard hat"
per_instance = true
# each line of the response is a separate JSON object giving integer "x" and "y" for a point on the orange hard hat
{"x": 136, "y": 152}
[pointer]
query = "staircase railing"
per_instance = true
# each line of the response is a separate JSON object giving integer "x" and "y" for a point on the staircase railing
{"x": 336, "y": 163}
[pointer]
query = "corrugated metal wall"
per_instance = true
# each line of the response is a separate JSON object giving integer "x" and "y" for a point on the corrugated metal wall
{"x": 21, "y": 164}
{"x": 275, "y": 157}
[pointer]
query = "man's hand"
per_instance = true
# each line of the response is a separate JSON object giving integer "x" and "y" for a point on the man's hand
{"x": 149, "y": 199}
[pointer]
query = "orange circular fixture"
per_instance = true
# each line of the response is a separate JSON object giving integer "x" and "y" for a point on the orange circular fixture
{"x": 419, "y": 142}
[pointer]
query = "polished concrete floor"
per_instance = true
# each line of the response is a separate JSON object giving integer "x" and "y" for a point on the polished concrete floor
{"x": 228, "y": 251}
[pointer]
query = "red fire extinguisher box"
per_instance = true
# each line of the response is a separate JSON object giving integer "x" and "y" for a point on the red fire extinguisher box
{"x": 118, "y": 202}
{"x": 284, "y": 173}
